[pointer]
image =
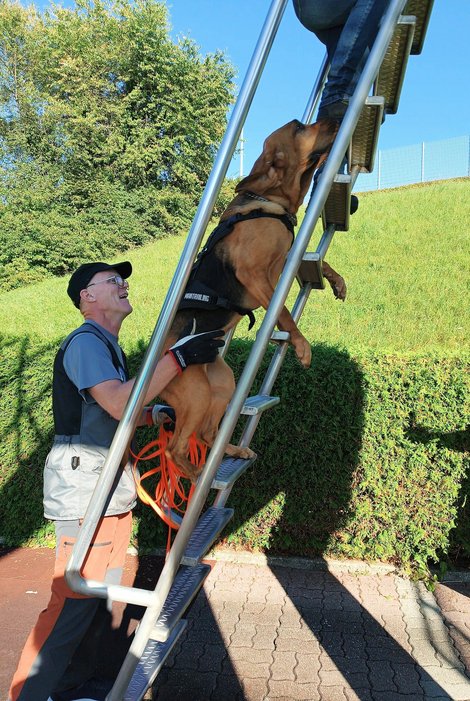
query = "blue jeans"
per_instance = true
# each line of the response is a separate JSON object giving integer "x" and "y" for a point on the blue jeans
{"x": 348, "y": 29}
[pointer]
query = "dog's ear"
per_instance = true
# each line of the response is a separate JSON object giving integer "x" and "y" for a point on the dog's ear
{"x": 267, "y": 172}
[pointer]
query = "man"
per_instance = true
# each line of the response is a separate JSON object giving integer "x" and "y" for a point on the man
{"x": 90, "y": 391}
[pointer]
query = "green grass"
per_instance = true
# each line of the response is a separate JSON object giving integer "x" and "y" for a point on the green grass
{"x": 405, "y": 261}
{"x": 381, "y": 454}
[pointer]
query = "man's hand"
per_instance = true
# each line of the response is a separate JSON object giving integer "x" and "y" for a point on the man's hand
{"x": 196, "y": 349}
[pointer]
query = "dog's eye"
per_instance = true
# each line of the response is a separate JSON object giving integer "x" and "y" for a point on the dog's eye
{"x": 299, "y": 126}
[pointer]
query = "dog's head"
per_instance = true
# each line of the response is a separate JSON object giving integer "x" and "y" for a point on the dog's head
{"x": 290, "y": 156}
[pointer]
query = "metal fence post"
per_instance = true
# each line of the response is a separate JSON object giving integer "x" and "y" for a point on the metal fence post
{"x": 422, "y": 161}
{"x": 468, "y": 155}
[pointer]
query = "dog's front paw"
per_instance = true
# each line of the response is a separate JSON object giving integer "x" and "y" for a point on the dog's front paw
{"x": 236, "y": 451}
{"x": 303, "y": 351}
{"x": 339, "y": 288}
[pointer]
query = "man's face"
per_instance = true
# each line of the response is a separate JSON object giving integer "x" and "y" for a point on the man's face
{"x": 109, "y": 292}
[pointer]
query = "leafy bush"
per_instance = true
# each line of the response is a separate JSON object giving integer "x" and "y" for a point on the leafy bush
{"x": 104, "y": 141}
{"x": 365, "y": 457}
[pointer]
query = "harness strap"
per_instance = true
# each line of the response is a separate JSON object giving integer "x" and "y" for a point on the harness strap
{"x": 226, "y": 227}
{"x": 114, "y": 356}
{"x": 199, "y": 295}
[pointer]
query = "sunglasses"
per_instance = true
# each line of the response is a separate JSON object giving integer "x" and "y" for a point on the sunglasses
{"x": 114, "y": 280}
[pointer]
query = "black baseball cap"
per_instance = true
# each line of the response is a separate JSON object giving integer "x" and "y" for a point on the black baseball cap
{"x": 82, "y": 276}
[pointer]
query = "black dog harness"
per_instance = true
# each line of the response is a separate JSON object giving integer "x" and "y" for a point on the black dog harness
{"x": 200, "y": 295}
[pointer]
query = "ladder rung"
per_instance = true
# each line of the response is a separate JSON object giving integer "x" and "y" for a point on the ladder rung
{"x": 392, "y": 71}
{"x": 421, "y": 9}
{"x": 185, "y": 586}
{"x": 366, "y": 135}
{"x": 207, "y": 529}
{"x": 230, "y": 470}
{"x": 150, "y": 664}
{"x": 337, "y": 206}
{"x": 310, "y": 271}
{"x": 280, "y": 336}
{"x": 258, "y": 403}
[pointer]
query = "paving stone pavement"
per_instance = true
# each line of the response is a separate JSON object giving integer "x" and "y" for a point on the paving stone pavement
{"x": 265, "y": 633}
{"x": 279, "y": 633}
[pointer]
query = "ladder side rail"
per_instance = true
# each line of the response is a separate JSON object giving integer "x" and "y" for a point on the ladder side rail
{"x": 228, "y": 339}
{"x": 325, "y": 241}
{"x": 203, "y": 214}
{"x": 133, "y": 408}
{"x": 280, "y": 352}
{"x": 312, "y": 214}
{"x": 278, "y": 359}
{"x": 333, "y": 162}
{"x": 299, "y": 305}
{"x": 317, "y": 90}
{"x": 356, "y": 103}
{"x": 354, "y": 173}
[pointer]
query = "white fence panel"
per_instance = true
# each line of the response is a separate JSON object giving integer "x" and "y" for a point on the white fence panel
{"x": 434, "y": 160}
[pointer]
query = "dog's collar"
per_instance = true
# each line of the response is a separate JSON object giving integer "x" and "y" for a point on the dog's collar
{"x": 253, "y": 196}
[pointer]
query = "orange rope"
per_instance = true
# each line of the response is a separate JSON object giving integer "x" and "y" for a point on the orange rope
{"x": 170, "y": 491}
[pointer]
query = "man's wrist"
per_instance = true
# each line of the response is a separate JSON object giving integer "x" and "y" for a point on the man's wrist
{"x": 175, "y": 361}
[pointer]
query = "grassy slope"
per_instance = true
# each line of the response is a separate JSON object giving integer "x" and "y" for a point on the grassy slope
{"x": 405, "y": 260}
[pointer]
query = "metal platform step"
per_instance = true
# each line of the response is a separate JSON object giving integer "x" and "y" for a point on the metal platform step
{"x": 150, "y": 664}
{"x": 209, "y": 526}
{"x": 337, "y": 206}
{"x": 280, "y": 336}
{"x": 229, "y": 471}
{"x": 258, "y": 403}
{"x": 366, "y": 135}
{"x": 310, "y": 271}
{"x": 185, "y": 586}
{"x": 392, "y": 71}
{"x": 421, "y": 9}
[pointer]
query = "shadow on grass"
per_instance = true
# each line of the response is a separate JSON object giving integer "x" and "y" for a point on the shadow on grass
{"x": 458, "y": 555}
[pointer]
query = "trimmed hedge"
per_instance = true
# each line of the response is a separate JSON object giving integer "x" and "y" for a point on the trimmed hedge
{"x": 365, "y": 457}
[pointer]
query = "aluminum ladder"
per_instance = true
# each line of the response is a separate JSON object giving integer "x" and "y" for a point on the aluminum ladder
{"x": 184, "y": 572}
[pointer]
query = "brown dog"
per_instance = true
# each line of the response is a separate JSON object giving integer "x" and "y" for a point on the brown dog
{"x": 237, "y": 271}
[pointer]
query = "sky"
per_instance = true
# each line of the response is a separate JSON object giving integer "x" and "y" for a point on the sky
{"x": 435, "y": 99}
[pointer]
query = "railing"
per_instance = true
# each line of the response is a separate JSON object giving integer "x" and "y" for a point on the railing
{"x": 419, "y": 163}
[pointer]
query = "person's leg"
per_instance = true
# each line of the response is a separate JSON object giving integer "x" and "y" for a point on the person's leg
{"x": 62, "y": 625}
{"x": 84, "y": 662}
{"x": 356, "y": 39}
{"x": 348, "y": 29}
{"x": 57, "y": 632}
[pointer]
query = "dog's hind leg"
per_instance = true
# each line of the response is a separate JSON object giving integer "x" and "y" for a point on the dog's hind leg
{"x": 190, "y": 396}
{"x": 222, "y": 384}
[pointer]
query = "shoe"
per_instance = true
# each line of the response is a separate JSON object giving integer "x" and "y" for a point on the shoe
{"x": 354, "y": 205}
{"x": 334, "y": 111}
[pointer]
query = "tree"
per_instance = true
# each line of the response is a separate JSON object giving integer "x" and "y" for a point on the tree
{"x": 108, "y": 130}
